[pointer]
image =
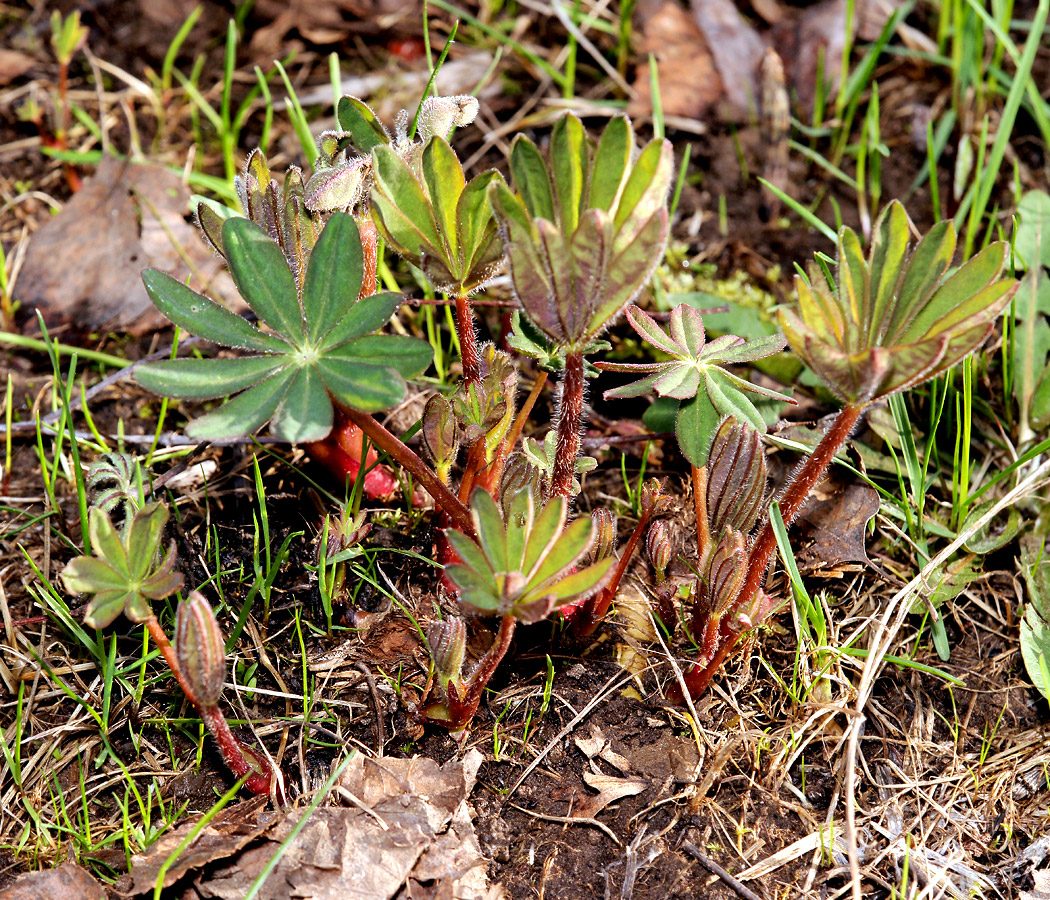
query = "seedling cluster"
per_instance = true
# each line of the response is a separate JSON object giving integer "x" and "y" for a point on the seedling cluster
{"x": 580, "y": 228}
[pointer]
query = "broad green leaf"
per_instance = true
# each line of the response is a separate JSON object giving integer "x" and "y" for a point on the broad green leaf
{"x": 1035, "y": 649}
{"x": 206, "y": 379}
{"x": 889, "y": 250}
{"x": 365, "y": 130}
{"x": 203, "y": 317}
{"x": 245, "y": 413}
{"x": 953, "y": 301}
{"x": 333, "y": 277}
{"x": 144, "y": 538}
{"x": 1032, "y": 238}
{"x": 583, "y": 583}
{"x": 399, "y": 197}
{"x": 492, "y": 535}
{"x": 544, "y": 539}
{"x": 305, "y": 414}
{"x": 610, "y": 163}
{"x": 562, "y": 548}
{"x": 407, "y": 355}
{"x": 695, "y": 428}
{"x": 532, "y": 179}
{"x": 645, "y": 191}
{"x": 474, "y": 219}
{"x": 262, "y": 276}
{"x": 106, "y": 606}
{"x": 928, "y": 263}
{"x": 107, "y": 542}
{"x": 468, "y": 551}
{"x": 90, "y": 575}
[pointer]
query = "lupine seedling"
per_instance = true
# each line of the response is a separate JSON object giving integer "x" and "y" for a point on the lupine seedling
{"x": 890, "y": 321}
{"x": 583, "y": 236}
{"x": 125, "y": 574}
{"x": 523, "y": 566}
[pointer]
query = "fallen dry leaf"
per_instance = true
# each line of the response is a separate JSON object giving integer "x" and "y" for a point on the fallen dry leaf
{"x": 406, "y": 833}
{"x": 65, "y": 882}
{"x": 83, "y": 266}
{"x": 610, "y": 789}
{"x": 838, "y": 525}
{"x": 689, "y": 82}
{"x": 14, "y": 64}
{"x": 737, "y": 51}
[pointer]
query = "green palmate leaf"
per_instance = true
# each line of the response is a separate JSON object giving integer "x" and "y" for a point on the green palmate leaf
{"x": 527, "y": 563}
{"x": 892, "y": 321}
{"x": 333, "y": 279}
{"x": 435, "y": 218}
{"x": 586, "y": 231}
{"x": 125, "y": 573}
{"x": 326, "y": 350}
{"x": 203, "y": 317}
{"x": 696, "y": 375}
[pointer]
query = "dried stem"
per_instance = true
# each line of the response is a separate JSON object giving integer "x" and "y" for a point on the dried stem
{"x": 570, "y": 419}
{"x": 405, "y": 457}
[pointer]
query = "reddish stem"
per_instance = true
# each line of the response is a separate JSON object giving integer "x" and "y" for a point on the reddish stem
{"x": 235, "y": 754}
{"x": 510, "y": 439}
{"x": 468, "y": 341}
{"x": 805, "y": 478}
{"x": 570, "y": 419}
{"x": 590, "y": 614}
{"x": 239, "y": 759}
{"x": 703, "y": 530}
{"x": 405, "y": 457}
{"x": 370, "y": 250}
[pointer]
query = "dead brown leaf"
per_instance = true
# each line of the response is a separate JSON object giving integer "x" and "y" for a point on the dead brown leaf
{"x": 737, "y": 51}
{"x": 838, "y": 524}
{"x": 13, "y": 65}
{"x": 83, "y": 266}
{"x": 406, "y": 833}
{"x": 689, "y": 82}
{"x": 65, "y": 882}
{"x": 610, "y": 789}
{"x": 1041, "y": 890}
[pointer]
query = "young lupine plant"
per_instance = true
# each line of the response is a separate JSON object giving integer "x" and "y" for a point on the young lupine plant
{"x": 125, "y": 574}
{"x": 890, "y": 321}
{"x": 582, "y": 238}
{"x": 318, "y": 356}
{"x": 426, "y": 209}
{"x": 524, "y": 565}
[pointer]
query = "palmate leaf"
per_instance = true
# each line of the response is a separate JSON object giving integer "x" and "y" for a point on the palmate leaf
{"x": 322, "y": 347}
{"x": 125, "y": 573}
{"x": 435, "y": 218}
{"x": 696, "y": 375}
{"x": 893, "y": 321}
{"x": 585, "y": 231}
{"x": 526, "y": 563}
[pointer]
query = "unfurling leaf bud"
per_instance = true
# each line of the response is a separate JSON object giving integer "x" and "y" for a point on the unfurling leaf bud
{"x": 519, "y": 474}
{"x": 736, "y": 478}
{"x": 448, "y": 646}
{"x": 652, "y": 500}
{"x": 200, "y": 649}
{"x": 440, "y": 432}
{"x": 439, "y": 115}
{"x": 726, "y": 571}
{"x": 604, "y": 534}
{"x": 658, "y": 548}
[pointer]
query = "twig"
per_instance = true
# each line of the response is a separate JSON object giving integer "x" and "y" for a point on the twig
{"x": 713, "y": 867}
{"x": 380, "y": 731}
{"x": 571, "y": 820}
{"x": 612, "y": 684}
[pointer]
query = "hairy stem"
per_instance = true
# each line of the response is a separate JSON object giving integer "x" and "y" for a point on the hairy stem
{"x": 570, "y": 419}
{"x": 805, "y": 478}
{"x": 703, "y": 531}
{"x": 370, "y": 250}
{"x": 240, "y": 760}
{"x": 468, "y": 341}
{"x": 405, "y": 457}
